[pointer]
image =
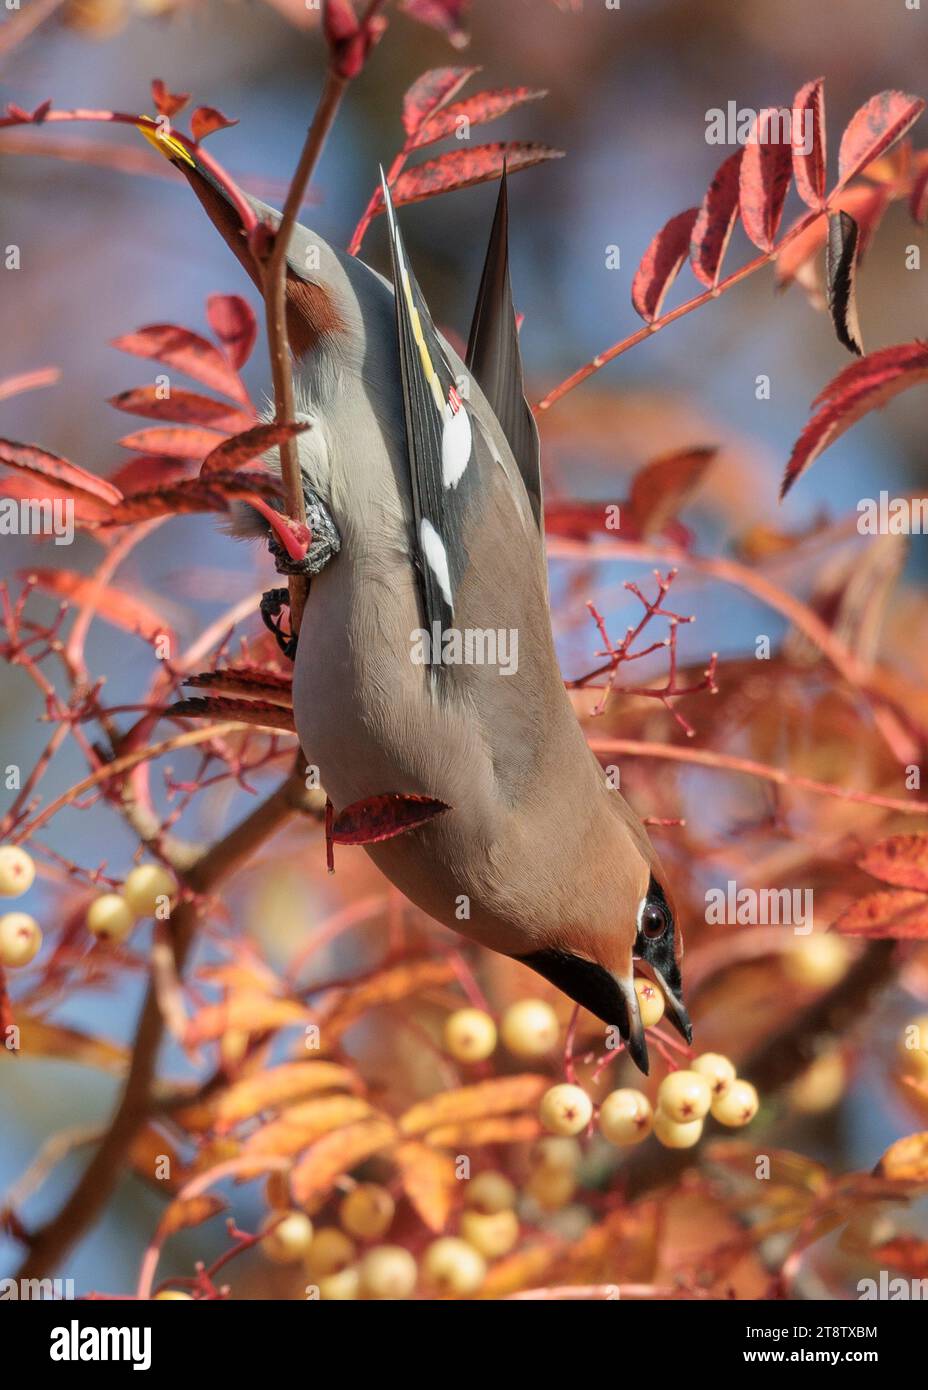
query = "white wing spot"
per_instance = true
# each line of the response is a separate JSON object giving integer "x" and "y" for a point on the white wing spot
{"x": 456, "y": 444}
{"x": 435, "y": 557}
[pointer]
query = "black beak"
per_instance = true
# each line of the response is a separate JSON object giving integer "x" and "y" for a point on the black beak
{"x": 607, "y": 996}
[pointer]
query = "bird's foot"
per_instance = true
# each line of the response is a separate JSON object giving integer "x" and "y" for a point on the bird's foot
{"x": 273, "y": 602}
{"x": 325, "y": 542}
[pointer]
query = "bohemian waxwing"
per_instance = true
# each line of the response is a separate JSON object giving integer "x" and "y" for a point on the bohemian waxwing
{"x": 423, "y": 491}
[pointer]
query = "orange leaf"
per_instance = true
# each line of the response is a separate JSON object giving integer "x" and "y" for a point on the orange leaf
{"x": 662, "y": 488}
{"x": 901, "y": 915}
{"x": 263, "y": 713}
{"x": 278, "y": 1086}
{"x": 113, "y": 605}
{"x": 167, "y": 103}
{"x": 906, "y": 1160}
{"x": 299, "y": 1125}
{"x": 494, "y": 1097}
{"x": 245, "y": 1013}
{"x": 661, "y": 263}
{"x": 386, "y": 987}
{"x": 28, "y": 458}
{"x": 337, "y": 1153}
{"x": 429, "y": 1182}
{"x": 495, "y": 1129}
{"x": 247, "y": 680}
{"x": 232, "y": 453}
{"x": 207, "y": 119}
{"x": 174, "y": 443}
{"x": 900, "y": 859}
{"x": 871, "y": 131}
{"x": 185, "y": 1212}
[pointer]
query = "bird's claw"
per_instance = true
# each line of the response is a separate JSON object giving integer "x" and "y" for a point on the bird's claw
{"x": 273, "y": 602}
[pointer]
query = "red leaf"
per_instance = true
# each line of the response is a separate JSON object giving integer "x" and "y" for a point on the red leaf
{"x": 475, "y": 110}
{"x": 174, "y": 443}
{"x": 34, "y": 487}
{"x": 29, "y": 458}
{"x": 381, "y": 817}
{"x": 715, "y": 221}
{"x": 186, "y": 352}
{"x": 219, "y": 707}
{"x": 446, "y": 15}
{"x": 663, "y": 487}
{"x": 167, "y": 103}
{"x": 232, "y": 320}
{"x": 114, "y": 605}
{"x": 864, "y": 386}
{"x": 902, "y": 916}
{"x": 430, "y": 92}
{"x": 246, "y": 680}
{"x": 661, "y": 263}
{"x": 242, "y": 448}
{"x": 766, "y": 170}
{"x": 28, "y": 381}
{"x": 809, "y": 169}
{"x": 207, "y": 119}
{"x": 871, "y": 131}
{"x": 185, "y": 495}
{"x": 899, "y": 859}
{"x": 183, "y": 407}
{"x": 147, "y": 471}
{"x": 918, "y": 202}
{"x": 462, "y": 168}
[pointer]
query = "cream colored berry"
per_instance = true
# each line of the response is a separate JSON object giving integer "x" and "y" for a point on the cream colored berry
{"x": 146, "y": 888}
{"x": 110, "y": 917}
{"x": 20, "y": 939}
{"x": 558, "y": 1153}
{"x": 288, "y": 1236}
{"x": 674, "y": 1135}
{"x": 684, "y": 1096}
{"x": 490, "y": 1192}
{"x": 565, "y": 1109}
{"x": 625, "y": 1117}
{"x": 650, "y": 1002}
{"x": 551, "y": 1188}
{"x": 738, "y": 1106}
{"x": 367, "y": 1211}
{"x": 491, "y": 1233}
{"x": 388, "y": 1271}
{"x": 470, "y": 1035}
{"x": 718, "y": 1070}
{"x": 530, "y": 1028}
{"x": 173, "y": 1296}
{"x": 17, "y": 871}
{"x": 821, "y": 1085}
{"x": 452, "y": 1266}
{"x": 331, "y": 1250}
{"x": 341, "y": 1287}
{"x": 819, "y": 960}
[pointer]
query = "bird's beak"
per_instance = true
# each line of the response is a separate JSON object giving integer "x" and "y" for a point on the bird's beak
{"x": 676, "y": 1009}
{"x": 631, "y": 1027}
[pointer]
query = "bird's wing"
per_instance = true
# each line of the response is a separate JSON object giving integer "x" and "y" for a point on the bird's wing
{"x": 446, "y": 463}
{"x": 494, "y": 358}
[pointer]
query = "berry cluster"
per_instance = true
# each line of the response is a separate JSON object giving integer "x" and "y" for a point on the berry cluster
{"x": 528, "y": 1028}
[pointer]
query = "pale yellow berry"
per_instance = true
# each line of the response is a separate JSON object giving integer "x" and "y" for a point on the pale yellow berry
{"x": 530, "y": 1028}
{"x": 174, "y": 1296}
{"x": 821, "y": 1085}
{"x": 684, "y": 1096}
{"x": 110, "y": 917}
{"x": 490, "y": 1192}
{"x": 331, "y": 1251}
{"x": 452, "y": 1266}
{"x": 650, "y": 1003}
{"x": 492, "y": 1233}
{"x": 718, "y": 1070}
{"x": 388, "y": 1271}
{"x": 565, "y": 1109}
{"x": 20, "y": 939}
{"x": 367, "y": 1211}
{"x": 17, "y": 871}
{"x": 147, "y": 888}
{"x": 470, "y": 1035}
{"x": 551, "y": 1188}
{"x": 558, "y": 1153}
{"x": 738, "y": 1106}
{"x": 674, "y": 1135}
{"x": 818, "y": 960}
{"x": 288, "y": 1236}
{"x": 625, "y": 1117}
{"x": 341, "y": 1287}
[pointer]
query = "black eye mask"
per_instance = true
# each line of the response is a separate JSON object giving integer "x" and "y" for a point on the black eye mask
{"x": 660, "y": 954}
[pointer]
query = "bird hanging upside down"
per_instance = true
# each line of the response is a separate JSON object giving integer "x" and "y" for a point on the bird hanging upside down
{"x": 423, "y": 491}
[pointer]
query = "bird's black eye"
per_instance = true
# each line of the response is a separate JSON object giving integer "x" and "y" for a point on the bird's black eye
{"x": 654, "y": 919}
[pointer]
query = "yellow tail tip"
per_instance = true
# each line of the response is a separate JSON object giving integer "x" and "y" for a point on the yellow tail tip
{"x": 165, "y": 143}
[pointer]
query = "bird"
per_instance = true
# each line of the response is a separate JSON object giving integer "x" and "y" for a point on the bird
{"x": 425, "y": 665}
